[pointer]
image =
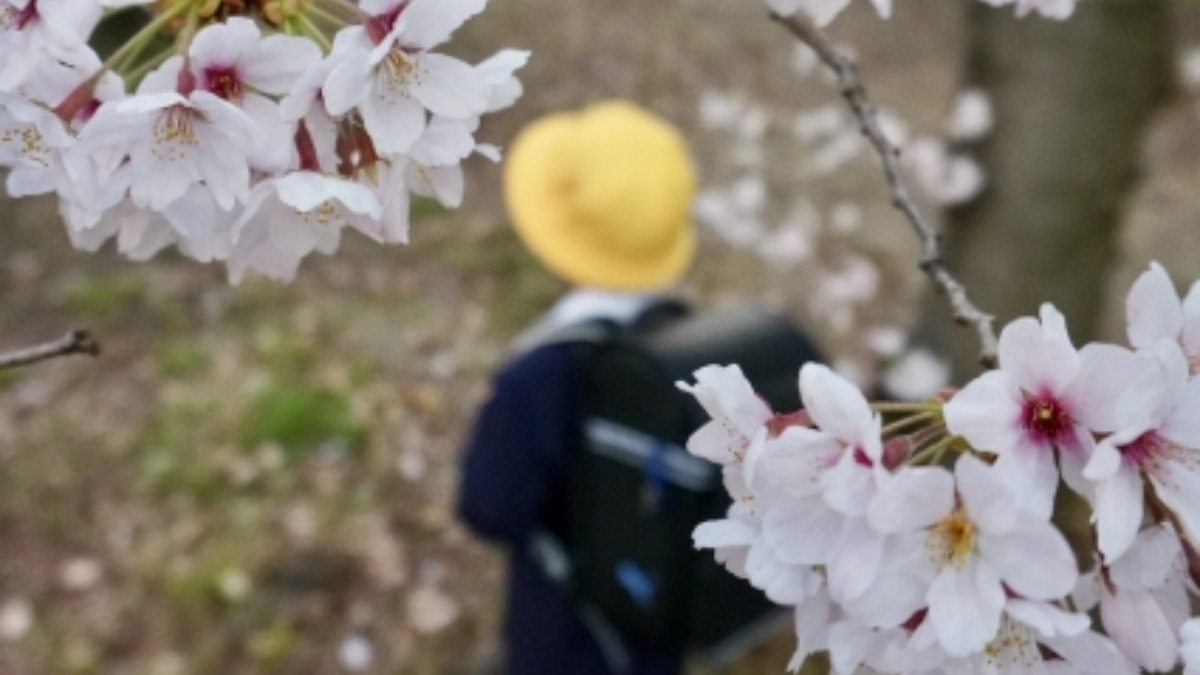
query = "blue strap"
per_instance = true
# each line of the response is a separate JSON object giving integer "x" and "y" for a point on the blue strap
{"x": 636, "y": 583}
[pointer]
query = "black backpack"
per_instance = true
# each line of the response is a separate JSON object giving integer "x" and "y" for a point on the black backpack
{"x": 634, "y": 494}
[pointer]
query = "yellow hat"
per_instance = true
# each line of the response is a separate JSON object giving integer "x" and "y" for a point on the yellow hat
{"x": 602, "y": 196}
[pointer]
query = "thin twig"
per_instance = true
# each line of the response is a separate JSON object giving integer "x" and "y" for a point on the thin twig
{"x": 965, "y": 312}
{"x": 75, "y": 342}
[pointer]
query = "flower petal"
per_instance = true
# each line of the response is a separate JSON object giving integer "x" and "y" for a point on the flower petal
{"x": 912, "y": 498}
{"x": 1034, "y": 560}
{"x": 1048, "y": 620}
{"x": 1118, "y": 511}
{"x": 1152, "y": 308}
{"x": 986, "y": 412}
{"x": 447, "y": 86}
{"x": 1105, "y": 372}
{"x": 965, "y": 604}
{"x": 1141, "y": 629}
{"x": 429, "y": 23}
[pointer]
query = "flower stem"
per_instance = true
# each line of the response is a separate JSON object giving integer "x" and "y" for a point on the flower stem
{"x": 333, "y": 20}
{"x": 907, "y": 421}
{"x": 139, "y": 40}
{"x": 346, "y": 12}
{"x": 933, "y": 452}
{"x": 893, "y": 407}
{"x": 310, "y": 29}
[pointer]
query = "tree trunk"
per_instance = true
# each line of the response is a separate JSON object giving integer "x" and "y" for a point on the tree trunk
{"x": 1071, "y": 100}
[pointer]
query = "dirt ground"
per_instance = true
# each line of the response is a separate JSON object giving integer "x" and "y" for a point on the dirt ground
{"x": 259, "y": 479}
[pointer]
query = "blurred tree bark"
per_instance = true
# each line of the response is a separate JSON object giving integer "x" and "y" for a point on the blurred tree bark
{"x": 1071, "y": 102}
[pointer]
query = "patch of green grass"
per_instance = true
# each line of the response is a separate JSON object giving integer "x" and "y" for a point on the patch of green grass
{"x": 300, "y": 418}
{"x": 178, "y": 361}
{"x": 424, "y": 207}
{"x": 169, "y": 461}
{"x": 104, "y": 298}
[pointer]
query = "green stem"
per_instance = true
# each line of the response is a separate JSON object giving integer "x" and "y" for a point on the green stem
{"x": 891, "y": 407}
{"x": 934, "y": 451}
{"x": 315, "y": 33}
{"x": 907, "y": 421}
{"x": 143, "y": 37}
{"x": 318, "y": 12}
{"x": 184, "y": 39}
{"x": 347, "y": 12}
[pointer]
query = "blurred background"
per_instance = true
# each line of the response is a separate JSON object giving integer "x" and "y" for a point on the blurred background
{"x": 259, "y": 479}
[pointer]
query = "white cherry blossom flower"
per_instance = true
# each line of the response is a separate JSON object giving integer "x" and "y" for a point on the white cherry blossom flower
{"x": 289, "y": 217}
{"x": 1051, "y": 9}
{"x": 1077, "y": 651}
{"x": 1046, "y": 399}
{"x": 822, "y": 12}
{"x": 34, "y": 32}
{"x": 839, "y": 409}
{"x": 174, "y": 142}
{"x": 1157, "y": 440}
{"x": 971, "y": 543}
{"x": 1143, "y": 598}
{"x": 736, "y": 410}
{"x": 1153, "y": 312}
{"x": 498, "y": 73}
{"x": 387, "y": 71}
{"x": 38, "y": 129}
{"x": 233, "y": 61}
{"x": 1189, "y": 646}
{"x": 739, "y": 544}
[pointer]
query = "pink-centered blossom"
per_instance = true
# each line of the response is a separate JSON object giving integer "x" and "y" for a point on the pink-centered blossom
{"x": 236, "y": 63}
{"x": 1157, "y": 440}
{"x": 1037, "y": 411}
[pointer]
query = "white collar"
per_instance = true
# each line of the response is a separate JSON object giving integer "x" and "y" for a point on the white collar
{"x": 584, "y": 304}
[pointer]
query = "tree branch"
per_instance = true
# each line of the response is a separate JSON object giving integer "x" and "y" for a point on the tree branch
{"x": 932, "y": 262}
{"x": 75, "y": 342}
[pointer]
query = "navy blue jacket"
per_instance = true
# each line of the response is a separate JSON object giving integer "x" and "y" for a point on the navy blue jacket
{"x": 513, "y": 482}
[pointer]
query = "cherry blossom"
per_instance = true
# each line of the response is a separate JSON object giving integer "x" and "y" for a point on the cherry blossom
{"x": 1154, "y": 312}
{"x": 739, "y": 542}
{"x": 1157, "y": 439}
{"x": 968, "y": 539}
{"x": 1189, "y": 647}
{"x": 386, "y": 70}
{"x": 737, "y": 414}
{"x": 36, "y": 32}
{"x": 823, "y": 11}
{"x": 1142, "y": 599}
{"x": 174, "y": 141}
{"x": 287, "y": 218}
{"x": 236, "y": 63}
{"x": 1044, "y": 401}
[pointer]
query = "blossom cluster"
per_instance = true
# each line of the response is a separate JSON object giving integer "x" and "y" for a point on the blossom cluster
{"x": 250, "y": 133}
{"x": 824, "y": 11}
{"x": 923, "y": 538}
